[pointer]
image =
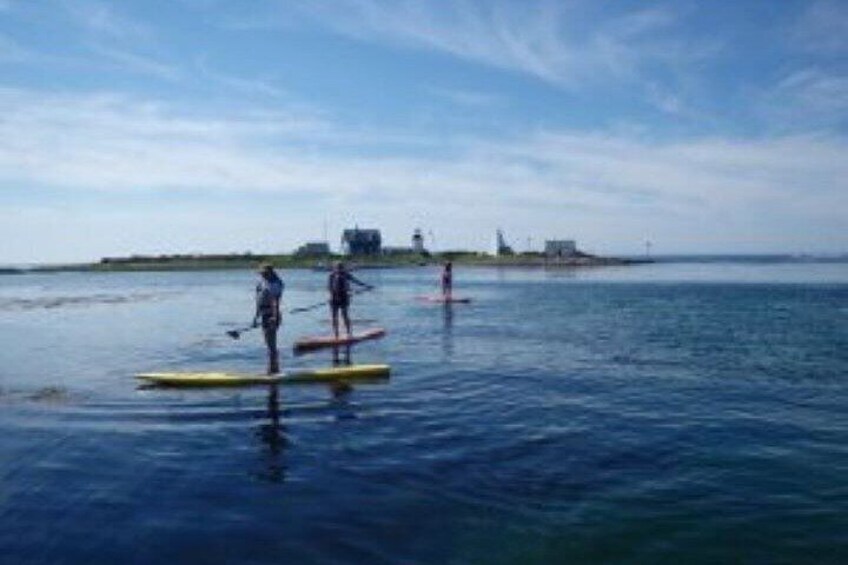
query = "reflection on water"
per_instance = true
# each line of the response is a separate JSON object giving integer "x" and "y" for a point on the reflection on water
{"x": 340, "y": 403}
{"x": 273, "y": 434}
{"x": 553, "y": 414}
{"x": 561, "y": 272}
{"x": 447, "y": 335}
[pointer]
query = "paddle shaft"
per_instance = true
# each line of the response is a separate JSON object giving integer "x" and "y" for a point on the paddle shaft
{"x": 235, "y": 334}
{"x": 324, "y": 303}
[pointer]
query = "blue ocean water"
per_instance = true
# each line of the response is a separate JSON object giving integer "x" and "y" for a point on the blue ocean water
{"x": 673, "y": 413}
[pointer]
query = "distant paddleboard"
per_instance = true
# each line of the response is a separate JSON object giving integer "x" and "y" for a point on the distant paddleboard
{"x": 222, "y": 379}
{"x": 443, "y": 300}
{"x": 309, "y": 343}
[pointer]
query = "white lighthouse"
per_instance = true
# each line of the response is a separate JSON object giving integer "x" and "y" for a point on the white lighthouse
{"x": 417, "y": 241}
{"x": 501, "y": 248}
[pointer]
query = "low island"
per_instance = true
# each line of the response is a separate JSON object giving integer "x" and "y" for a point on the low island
{"x": 188, "y": 262}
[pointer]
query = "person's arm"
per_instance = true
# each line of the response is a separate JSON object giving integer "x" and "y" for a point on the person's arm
{"x": 350, "y": 277}
{"x": 257, "y": 312}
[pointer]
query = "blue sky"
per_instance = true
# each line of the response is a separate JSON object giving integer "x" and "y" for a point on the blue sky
{"x": 179, "y": 126}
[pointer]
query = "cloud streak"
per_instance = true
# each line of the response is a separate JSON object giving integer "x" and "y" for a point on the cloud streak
{"x": 550, "y": 41}
{"x": 124, "y": 145}
{"x": 592, "y": 124}
{"x": 103, "y": 20}
{"x": 823, "y": 28}
{"x": 12, "y": 52}
{"x": 249, "y": 86}
{"x": 809, "y": 98}
{"x": 135, "y": 63}
{"x": 467, "y": 98}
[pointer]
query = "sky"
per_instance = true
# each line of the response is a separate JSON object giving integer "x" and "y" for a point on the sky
{"x": 212, "y": 126}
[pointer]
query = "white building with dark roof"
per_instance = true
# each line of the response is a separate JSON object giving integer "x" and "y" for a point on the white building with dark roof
{"x": 361, "y": 242}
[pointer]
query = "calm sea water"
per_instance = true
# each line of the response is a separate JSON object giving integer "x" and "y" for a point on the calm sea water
{"x": 675, "y": 413}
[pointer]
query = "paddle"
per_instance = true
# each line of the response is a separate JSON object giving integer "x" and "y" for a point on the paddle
{"x": 325, "y": 302}
{"x": 235, "y": 334}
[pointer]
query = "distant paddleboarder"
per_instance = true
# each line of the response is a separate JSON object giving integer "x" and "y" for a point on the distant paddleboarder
{"x": 338, "y": 285}
{"x": 269, "y": 293}
{"x": 447, "y": 281}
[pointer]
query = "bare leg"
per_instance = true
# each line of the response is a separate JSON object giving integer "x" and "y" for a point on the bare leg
{"x": 334, "y": 316}
{"x": 346, "y": 320}
{"x": 270, "y": 331}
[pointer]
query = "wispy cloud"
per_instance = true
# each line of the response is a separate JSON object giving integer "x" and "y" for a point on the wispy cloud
{"x": 468, "y": 98}
{"x": 116, "y": 143}
{"x": 809, "y": 90}
{"x": 554, "y": 42}
{"x": 128, "y": 61}
{"x": 12, "y": 52}
{"x": 250, "y": 86}
{"x": 823, "y": 27}
{"x": 809, "y": 98}
{"x": 532, "y": 146}
{"x": 527, "y": 42}
{"x": 103, "y": 19}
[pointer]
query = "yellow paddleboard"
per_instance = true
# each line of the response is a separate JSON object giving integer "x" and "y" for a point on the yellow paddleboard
{"x": 213, "y": 379}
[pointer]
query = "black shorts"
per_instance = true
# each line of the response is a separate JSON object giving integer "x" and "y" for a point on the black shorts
{"x": 337, "y": 302}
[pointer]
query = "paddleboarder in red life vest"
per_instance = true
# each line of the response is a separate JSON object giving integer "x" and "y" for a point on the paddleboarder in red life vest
{"x": 338, "y": 285}
{"x": 269, "y": 293}
{"x": 447, "y": 281}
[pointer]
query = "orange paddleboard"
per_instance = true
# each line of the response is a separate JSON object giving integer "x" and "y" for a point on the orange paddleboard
{"x": 317, "y": 342}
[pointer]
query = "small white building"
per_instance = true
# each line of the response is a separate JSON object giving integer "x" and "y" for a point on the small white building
{"x": 313, "y": 249}
{"x": 418, "y": 242}
{"x": 560, "y": 248}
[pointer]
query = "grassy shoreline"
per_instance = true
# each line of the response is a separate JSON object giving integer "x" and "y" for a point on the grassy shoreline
{"x": 249, "y": 261}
